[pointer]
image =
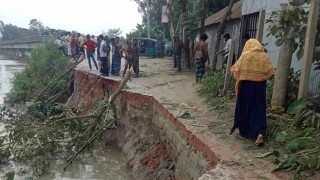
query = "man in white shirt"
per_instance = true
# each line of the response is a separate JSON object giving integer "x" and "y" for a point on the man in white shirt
{"x": 69, "y": 38}
{"x": 59, "y": 42}
{"x": 65, "y": 43}
{"x": 81, "y": 41}
{"x": 226, "y": 49}
{"x": 104, "y": 50}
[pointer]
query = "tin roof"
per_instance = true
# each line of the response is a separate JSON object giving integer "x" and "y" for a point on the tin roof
{"x": 218, "y": 16}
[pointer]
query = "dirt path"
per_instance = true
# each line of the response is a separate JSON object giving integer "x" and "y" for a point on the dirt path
{"x": 178, "y": 94}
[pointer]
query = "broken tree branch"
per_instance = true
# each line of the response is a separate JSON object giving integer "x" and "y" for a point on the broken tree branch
{"x": 104, "y": 111}
{"x": 61, "y": 76}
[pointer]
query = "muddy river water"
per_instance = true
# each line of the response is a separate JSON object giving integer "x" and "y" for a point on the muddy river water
{"x": 100, "y": 163}
{"x": 8, "y": 67}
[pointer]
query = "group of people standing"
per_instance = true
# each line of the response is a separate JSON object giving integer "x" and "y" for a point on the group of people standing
{"x": 251, "y": 72}
{"x": 200, "y": 54}
{"x": 109, "y": 52}
{"x": 70, "y": 44}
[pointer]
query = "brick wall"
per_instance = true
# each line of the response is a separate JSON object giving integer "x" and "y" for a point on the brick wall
{"x": 192, "y": 156}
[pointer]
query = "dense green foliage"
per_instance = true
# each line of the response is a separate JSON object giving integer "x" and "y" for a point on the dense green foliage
{"x": 42, "y": 109}
{"x": 10, "y": 32}
{"x": 282, "y": 21}
{"x": 212, "y": 83}
{"x": 212, "y": 89}
{"x": 45, "y": 64}
{"x": 159, "y": 30}
{"x": 30, "y": 142}
{"x": 38, "y": 139}
{"x": 296, "y": 136}
{"x": 296, "y": 150}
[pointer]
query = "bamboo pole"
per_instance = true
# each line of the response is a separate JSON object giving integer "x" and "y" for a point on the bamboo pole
{"x": 229, "y": 63}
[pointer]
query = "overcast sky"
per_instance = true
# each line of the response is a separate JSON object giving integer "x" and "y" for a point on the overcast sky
{"x": 85, "y": 16}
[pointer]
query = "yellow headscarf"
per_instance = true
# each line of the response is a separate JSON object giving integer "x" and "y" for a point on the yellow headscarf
{"x": 254, "y": 64}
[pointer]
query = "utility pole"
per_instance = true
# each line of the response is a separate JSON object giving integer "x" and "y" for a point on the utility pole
{"x": 261, "y": 22}
{"x": 229, "y": 64}
{"x": 308, "y": 49}
{"x": 148, "y": 18}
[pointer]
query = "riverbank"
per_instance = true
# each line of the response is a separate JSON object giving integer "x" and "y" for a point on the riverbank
{"x": 190, "y": 116}
{"x": 92, "y": 164}
{"x": 166, "y": 130}
{"x": 101, "y": 161}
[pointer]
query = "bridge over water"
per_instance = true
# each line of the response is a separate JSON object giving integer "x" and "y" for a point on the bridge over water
{"x": 21, "y": 47}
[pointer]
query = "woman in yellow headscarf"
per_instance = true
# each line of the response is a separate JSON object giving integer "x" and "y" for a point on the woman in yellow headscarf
{"x": 251, "y": 72}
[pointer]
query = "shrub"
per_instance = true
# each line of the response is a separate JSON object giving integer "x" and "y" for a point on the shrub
{"x": 212, "y": 89}
{"x": 44, "y": 65}
{"x": 212, "y": 83}
{"x": 42, "y": 110}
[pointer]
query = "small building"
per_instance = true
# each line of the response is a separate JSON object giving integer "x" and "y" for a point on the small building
{"x": 243, "y": 20}
{"x": 232, "y": 27}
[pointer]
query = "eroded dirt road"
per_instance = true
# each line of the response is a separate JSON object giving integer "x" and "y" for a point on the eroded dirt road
{"x": 178, "y": 93}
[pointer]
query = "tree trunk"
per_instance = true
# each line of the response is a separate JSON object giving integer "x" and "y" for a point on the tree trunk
{"x": 187, "y": 55}
{"x": 186, "y": 36}
{"x": 280, "y": 87}
{"x": 219, "y": 33}
{"x": 191, "y": 52}
{"x": 170, "y": 18}
{"x": 203, "y": 5}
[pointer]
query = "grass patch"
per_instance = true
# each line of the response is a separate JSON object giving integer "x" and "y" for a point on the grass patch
{"x": 212, "y": 90}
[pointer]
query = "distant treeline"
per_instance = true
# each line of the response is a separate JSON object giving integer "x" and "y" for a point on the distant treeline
{"x": 11, "y": 32}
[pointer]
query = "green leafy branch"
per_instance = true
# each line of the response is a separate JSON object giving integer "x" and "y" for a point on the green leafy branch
{"x": 289, "y": 22}
{"x": 301, "y": 152}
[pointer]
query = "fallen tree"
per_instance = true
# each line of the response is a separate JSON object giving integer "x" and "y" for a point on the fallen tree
{"x": 46, "y": 66}
{"x": 38, "y": 142}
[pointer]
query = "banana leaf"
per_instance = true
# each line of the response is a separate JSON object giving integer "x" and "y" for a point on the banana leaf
{"x": 297, "y": 106}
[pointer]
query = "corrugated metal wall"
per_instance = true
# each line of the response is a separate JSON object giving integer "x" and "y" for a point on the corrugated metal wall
{"x": 314, "y": 81}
